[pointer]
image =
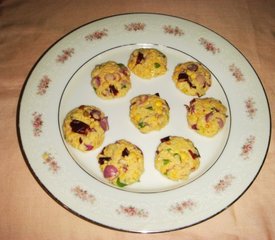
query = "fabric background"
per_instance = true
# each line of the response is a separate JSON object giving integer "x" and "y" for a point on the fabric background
{"x": 29, "y": 27}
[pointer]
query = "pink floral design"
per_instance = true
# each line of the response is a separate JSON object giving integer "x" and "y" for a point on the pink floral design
{"x": 176, "y": 31}
{"x": 135, "y": 26}
{"x": 250, "y": 108}
{"x": 236, "y": 72}
{"x": 83, "y": 194}
{"x": 37, "y": 124}
{"x": 131, "y": 211}
{"x": 182, "y": 206}
{"x": 248, "y": 147}
{"x": 50, "y": 161}
{"x": 209, "y": 46}
{"x": 43, "y": 85}
{"x": 97, "y": 35}
{"x": 224, "y": 183}
{"x": 66, "y": 54}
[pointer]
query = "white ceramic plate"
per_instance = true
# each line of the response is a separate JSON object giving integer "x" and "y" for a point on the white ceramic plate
{"x": 60, "y": 81}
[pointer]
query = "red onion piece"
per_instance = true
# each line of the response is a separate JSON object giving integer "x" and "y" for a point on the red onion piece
{"x": 140, "y": 57}
{"x": 192, "y": 67}
{"x": 95, "y": 114}
{"x": 110, "y": 171}
{"x": 201, "y": 79}
{"x": 220, "y": 122}
{"x": 125, "y": 71}
{"x": 165, "y": 139}
{"x": 208, "y": 116}
{"x": 195, "y": 127}
{"x": 142, "y": 99}
{"x": 193, "y": 101}
{"x": 113, "y": 90}
{"x": 192, "y": 108}
{"x": 193, "y": 155}
{"x": 104, "y": 123}
{"x": 79, "y": 127}
{"x": 182, "y": 77}
{"x": 96, "y": 81}
{"x": 187, "y": 107}
{"x": 89, "y": 147}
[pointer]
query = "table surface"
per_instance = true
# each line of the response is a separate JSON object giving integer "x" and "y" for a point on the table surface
{"x": 28, "y": 28}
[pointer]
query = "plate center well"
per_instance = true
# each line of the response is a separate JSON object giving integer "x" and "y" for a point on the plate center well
{"x": 79, "y": 91}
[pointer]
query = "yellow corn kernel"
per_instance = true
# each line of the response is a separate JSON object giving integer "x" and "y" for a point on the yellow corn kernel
{"x": 105, "y": 85}
{"x": 193, "y": 75}
{"x": 173, "y": 174}
{"x": 137, "y": 117}
{"x": 184, "y": 155}
{"x": 159, "y": 110}
{"x": 189, "y": 73}
{"x": 132, "y": 155}
{"x": 153, "y": 119}
{"x": 158, "y": 103}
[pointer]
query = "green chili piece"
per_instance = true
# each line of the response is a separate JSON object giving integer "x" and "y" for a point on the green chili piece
{"x": 141, "y": 124}
{"x": 177, "y": 156}
{"x": 121, "y": 65}
{"x": 166, "y": 161}
{"x": 150, "y": 108}
{"x": 120, "y": 184}
{"x": 157, "y": 65}
{"x": 169, "y": 150}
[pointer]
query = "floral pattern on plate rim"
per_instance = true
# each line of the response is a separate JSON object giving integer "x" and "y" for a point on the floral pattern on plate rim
{"x": 176, "y": 31}
{"x": 37, "y": 124}
{"x": 247, "y": 147}
{"x": 181, "y": 207}
{"x": 50, "y": 161}
{"x": 43, "y": 85}
{"x": 66, "y": 55}
{"x": 82, "y": 194}
{"x": 97, "y": 35}
{"x": 209, "y": 46}
{"x": 236, "y": 72}
{"x": 131, "y": 211}
{"x": 135, "y": 26}
{"x": 250, "y": 107}
{"x": 224, "y": 183}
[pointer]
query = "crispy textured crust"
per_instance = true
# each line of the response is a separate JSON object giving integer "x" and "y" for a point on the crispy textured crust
{"x": 111, "y": 80}
{"x": 176, "y": 157}
{"x": 121, "y": 162}
{"x": 206, "y": 116}
{"x": 149, "y": 113}
{"x": 192, "y": 78}
{"x": 84, "y": 127}
{"x": 147, "y": 63}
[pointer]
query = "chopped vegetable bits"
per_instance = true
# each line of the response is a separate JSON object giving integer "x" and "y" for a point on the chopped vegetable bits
{"x": 111, "y": 80}
{"x": 176, "y": 158}
{"x": 192, "y": 78}
{"x": 207, "y": 116}
{"x": 147, "y": 63}
{"x": 121, "y": 163}
{"x": 84, "y": 127}
{"x": 149, "y": 112}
